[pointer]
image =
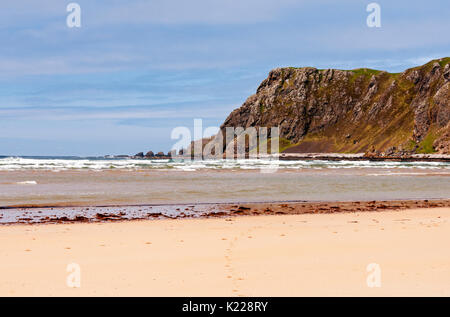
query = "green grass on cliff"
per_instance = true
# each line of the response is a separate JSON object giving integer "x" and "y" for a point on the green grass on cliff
{"x": 426, "y": 146}
{"x": 283, "y": 144}
{"x": 366, "y": 72}
{"x": 444, "y": 61}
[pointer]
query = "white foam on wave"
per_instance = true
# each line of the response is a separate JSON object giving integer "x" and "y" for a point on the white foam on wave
{"x": 58, "y": 164}
{"x": 27, "y": 183}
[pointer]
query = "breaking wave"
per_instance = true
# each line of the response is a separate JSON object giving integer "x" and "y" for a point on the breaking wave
{"x": 101, "y": 164}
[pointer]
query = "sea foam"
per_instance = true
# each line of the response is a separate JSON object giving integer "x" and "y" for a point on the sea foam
{"x": 104, "y": 164}
{"x": 27, "y": 183}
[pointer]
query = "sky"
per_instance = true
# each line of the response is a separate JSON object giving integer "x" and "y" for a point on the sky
{"x": 135, "y": 70}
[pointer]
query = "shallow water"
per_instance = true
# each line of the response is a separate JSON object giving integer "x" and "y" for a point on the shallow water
{"x": 92, "y": 182}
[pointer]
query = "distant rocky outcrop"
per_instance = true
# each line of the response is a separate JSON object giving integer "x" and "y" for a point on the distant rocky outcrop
{"x": 152, "y": 155}
{"x": 353, "y": 111}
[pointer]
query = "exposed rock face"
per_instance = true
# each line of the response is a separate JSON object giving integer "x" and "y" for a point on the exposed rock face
{"x": 442, "y": 143}
{"x": 353, "y": 111}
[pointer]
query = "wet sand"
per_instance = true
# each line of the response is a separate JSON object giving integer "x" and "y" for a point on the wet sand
{"x": 35, "y": 214}
{"x": 275, "y": 255}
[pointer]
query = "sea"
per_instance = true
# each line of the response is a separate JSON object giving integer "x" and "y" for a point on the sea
{"x": 124, "y": 181}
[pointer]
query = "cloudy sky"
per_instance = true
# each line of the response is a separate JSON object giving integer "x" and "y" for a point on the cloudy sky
{"x": 136, "y": 69}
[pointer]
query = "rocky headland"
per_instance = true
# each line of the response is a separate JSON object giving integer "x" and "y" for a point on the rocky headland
{"x": 366, "y": 111}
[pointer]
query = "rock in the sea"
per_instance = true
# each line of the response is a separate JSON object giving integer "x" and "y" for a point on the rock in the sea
{"x": 172, "y": 153}
{"x": 149, "y": 154}
{"x": 160, "y": 154}
{"x": 139, "y": 155}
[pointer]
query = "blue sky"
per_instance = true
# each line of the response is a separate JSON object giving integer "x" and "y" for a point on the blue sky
{"x": 137, "y": 69}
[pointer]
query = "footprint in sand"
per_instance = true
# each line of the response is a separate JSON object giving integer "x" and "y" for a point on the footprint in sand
{"x": 228, "y": 261}
{"x": 231, "y": 272}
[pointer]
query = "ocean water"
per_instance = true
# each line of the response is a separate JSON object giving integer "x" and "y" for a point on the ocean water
{"x": 101, "y": 163}
{"x": 99, "y": 181}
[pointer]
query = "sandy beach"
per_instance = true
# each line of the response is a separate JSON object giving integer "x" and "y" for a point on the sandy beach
{"x": 284, "y": 255}
{"x": 234, "y": 150}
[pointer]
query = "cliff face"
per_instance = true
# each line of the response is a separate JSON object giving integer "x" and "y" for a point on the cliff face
{"x": 353, "y": 111}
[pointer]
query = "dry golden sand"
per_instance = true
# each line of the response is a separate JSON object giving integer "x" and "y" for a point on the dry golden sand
{"x": 288, "y": 255}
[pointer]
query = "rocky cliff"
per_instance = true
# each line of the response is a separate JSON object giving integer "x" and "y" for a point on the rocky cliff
{"x": 360, "y": 110}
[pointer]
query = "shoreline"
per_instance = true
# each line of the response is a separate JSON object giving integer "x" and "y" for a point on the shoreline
{"x": 34, "y": 215}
